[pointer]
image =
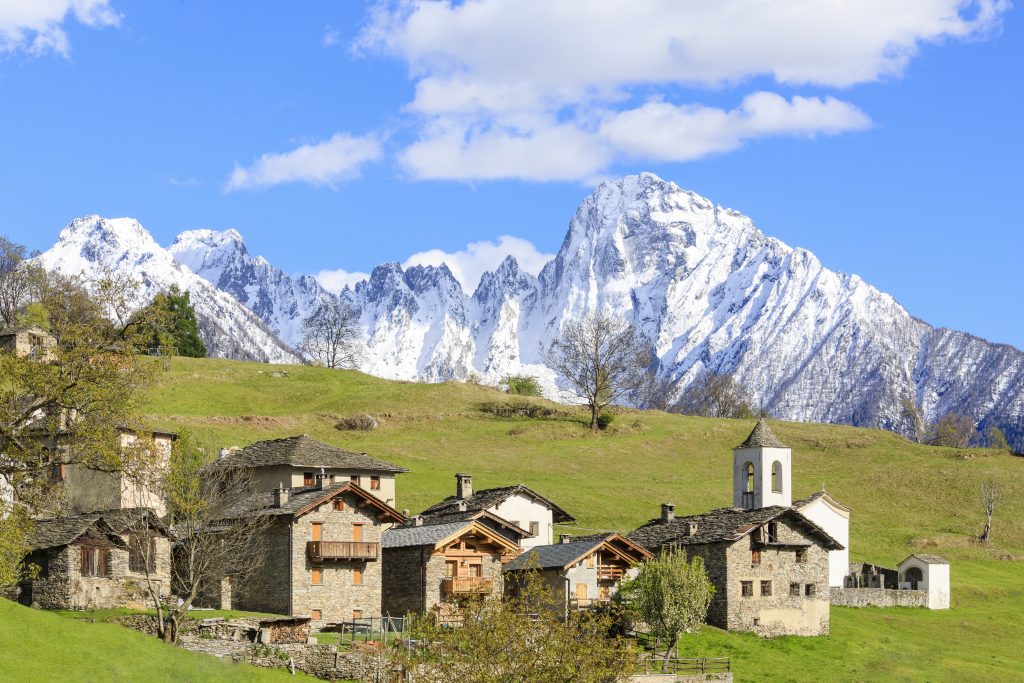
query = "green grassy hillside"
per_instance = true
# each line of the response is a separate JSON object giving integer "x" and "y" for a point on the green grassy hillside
{"x": 42, "y": 646}
{"x": 904, "y": 497}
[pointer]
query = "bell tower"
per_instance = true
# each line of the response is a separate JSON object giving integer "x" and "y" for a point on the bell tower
{"x": 761, "y": 470}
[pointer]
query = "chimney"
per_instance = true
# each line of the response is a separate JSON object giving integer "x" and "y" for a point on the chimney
{"x": 321, "y": 480}
{"x": 565, "y": 538}
{"x": 280, "y": 496}
{"x": 464, "y": 485}
{"x": 417, "y": 520}
{"x": 668, "y": 512}
{"x": 405, "y": 512}
{"x": 462, "y": 506}
{"x": 691, "y": 528}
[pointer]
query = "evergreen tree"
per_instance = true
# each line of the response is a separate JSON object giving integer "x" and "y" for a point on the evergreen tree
{"x": 174, "y": 324}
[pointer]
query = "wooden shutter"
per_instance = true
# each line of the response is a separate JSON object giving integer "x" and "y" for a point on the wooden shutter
{"x": 317, "y": 529}
{"x": 357, "y": 577}
{"x": 357, "y": 532}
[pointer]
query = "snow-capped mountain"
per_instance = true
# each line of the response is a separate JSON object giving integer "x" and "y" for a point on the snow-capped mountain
{"x": 709, "y": 290}
{"x": 92, "y": 245}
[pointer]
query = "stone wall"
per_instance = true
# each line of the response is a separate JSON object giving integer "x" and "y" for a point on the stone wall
{"x": 878, "y": 597}
{"x": 65, "y": 588}
{"x": 269, "y": 588}
{"x": 322, "y": 661}
{"x": 403, "y": 580}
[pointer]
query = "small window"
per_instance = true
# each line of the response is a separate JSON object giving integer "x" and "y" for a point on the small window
{"x": 755, "y": 556}
{"x": 357, "y": 577}
{"x": 794, "y": 590}
{"x": 750, "y": 477}
{"x": 375, "y": 483}
{"x": 747, "y": 589}
{"x": 339, "y": 505}
{"x": 757, "y": 621}
{"x": 766, "y": 588}
{"x": 535, "y": 528}
{"x": 776, "y": 477}
{"x": 809, "y": 590}
{"x": 354, "y": 479}
{"x": 307, "y": 478}
{"x": 801, "y": 556}
{"x": 357, "y": 614}
{"x": 316, "y": 576}
{"x": 316, "y": 615}
{"x": 95, "y": 561}
{"x": 141, "y": 553}
{"x": 773, "y": 532}
{"x": 591, "y": 561}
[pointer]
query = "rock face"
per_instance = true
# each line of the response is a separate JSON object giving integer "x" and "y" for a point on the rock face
{"x": 92, "y": 245}
{"x": 709, "y": 290}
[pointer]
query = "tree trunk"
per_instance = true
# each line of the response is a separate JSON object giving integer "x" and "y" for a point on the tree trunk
{"x": 593, "y": 418}
{"x": 988, "y": 528}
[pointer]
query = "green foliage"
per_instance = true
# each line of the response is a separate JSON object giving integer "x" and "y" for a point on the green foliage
{"x": 953, "y": 430}
{"x": 15, "y": 527}
{"x": 521, "y": 385}
{"x": 604, "y": 420}
{"x": 994, "y": 438}
{"x": 670, "y": 594}
{"x": 174, "y": 324}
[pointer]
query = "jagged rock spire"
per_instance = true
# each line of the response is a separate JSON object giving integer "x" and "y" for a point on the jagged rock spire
{"x": 762, "y": 436}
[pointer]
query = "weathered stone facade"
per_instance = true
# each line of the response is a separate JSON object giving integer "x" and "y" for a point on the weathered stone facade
{"x": 414, "y": 579}
{"x": 878, "y": 597}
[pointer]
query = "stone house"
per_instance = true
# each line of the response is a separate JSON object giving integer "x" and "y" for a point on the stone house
{"x": 97, "y": 560}
{"x": 295, "y": 462}
{"x": 519, "y": 504}
{"x": 769, "y": 565}
{"x": 322, "y": 553}
{"x": 30, "y": 341}
{"x": 442, "y": 558}
{"x": 583, "y": 572}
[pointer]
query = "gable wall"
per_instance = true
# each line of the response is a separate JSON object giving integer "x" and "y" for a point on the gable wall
{"x": 523, "y": 510}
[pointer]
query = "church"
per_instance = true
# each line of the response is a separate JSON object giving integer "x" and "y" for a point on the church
{"x": 772, "y": 562}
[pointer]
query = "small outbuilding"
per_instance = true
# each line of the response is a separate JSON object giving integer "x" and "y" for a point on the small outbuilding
{"x": 926, "y": 573}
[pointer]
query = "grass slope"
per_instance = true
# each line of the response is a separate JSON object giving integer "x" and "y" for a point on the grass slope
{"x": 905, "y": 497}
{"x": 43, "y": 646}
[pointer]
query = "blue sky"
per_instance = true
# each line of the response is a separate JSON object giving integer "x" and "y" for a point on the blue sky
{"x": 335, "y": 135}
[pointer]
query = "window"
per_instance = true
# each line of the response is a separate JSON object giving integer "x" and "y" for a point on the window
{"x": 375, "y": 483}
{"x": 95, "y": 561}
{"x": 773, "y": 532}
{"x": 801, "y": 556}
{"x": 776, "y": 477}
{"x": 809, "y": 590}
{"x": 794, "y": 590}
{"x": 755, "y": 556}
{"x": 535, "y": 528}
{"x": 750, "y": 477}
{"x": 316, "y": 615}
{"x": 449, "y": 568}
{"x": 316, "y": 576}
{"x": 747, "y": 589}
{"x": 766, "y": 588}
{"x": 141, "y": 553}
{"x": 316, "y": 531}
{"x": 357, "y": 614}
{"x": 357, "y": 577}
{"x": 476, "y": 570}
{"x": 591, "y": 561}
{"x": 357, "y": 532}
{"x": 604, "y": 592}
{"x": 307, "y": 478}
{"x": 339, "y": 505}
{"x": 354, "y": 479}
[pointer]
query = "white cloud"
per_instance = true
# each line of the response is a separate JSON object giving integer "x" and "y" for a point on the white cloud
{"x": 549, "y": 90}
{"x": 468, "y": 265}
{"x": 331, "y": 37}
{"x": 336, "y": 280}
{"x": 36, "y": 26}
{"x": 325, "y": 163}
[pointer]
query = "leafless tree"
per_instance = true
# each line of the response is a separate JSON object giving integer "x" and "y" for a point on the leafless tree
{"x": 218, "y": 535}
{"x": 331, "y": 335}
{"x": 599, "y": 359}
{"x": 715, "y": 395}
{"x": 912, "y": 414}
{"x": 143, "y": 558}
{"x": 654, "y": 392}
{"x": 990, "y": 495}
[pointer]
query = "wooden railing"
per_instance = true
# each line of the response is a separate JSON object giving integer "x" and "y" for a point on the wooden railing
{"x": 688, "y": 665}
{"x": 342, "y": 550}
{"x": 467, "y": 585}
{"x": 587, "y": 603}
{"x": 609, "y": 573}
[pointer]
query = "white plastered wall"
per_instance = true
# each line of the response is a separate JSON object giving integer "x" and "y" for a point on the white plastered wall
{"x": 836, "y": 523}
{"x": 935, "y": 580}
{"x": 762, "y": 459}
{"x": 523, "y": 510}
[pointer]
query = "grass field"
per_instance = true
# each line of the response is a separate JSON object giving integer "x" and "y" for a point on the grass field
{"x": 904, "y": 497}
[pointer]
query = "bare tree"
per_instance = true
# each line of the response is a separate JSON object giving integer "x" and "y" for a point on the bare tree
{"x": 655, "y": 391}
{"x": 715, "y": 395}
{"x": 990, "y": 495}
{"x": 954, "y": 430}
{"x": 143, "y": 557}
{"x": 218, "y": 536}
{"x": 331, "y": 335}
{"x": 599, "y": 359}
{"x": 912, "y": 414}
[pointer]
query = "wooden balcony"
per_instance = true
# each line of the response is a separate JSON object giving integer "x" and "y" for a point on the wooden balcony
{"x": 467, "y": 585}
{"x": 588, "y": 603}
{"x": 609, "y": 573}
{"x": 319, "y": 551}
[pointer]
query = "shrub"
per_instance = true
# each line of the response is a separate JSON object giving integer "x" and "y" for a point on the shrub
{"x": 364, "y": 423}
{"x": 516, "y": 408}
{"x": 604, "y": 419}
{"x": 521, "y": 385}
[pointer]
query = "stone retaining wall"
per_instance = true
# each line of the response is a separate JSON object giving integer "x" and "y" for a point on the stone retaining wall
{"x": 322, "y": 661}
{"x": 877, "y": 597}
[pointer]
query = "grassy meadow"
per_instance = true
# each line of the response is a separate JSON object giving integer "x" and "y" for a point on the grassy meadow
{"x": 904, "y": 497}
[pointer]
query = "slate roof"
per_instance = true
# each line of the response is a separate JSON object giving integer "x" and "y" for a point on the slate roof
{"x": 487, "y": 498}
{"x": 928, "y": 559}
{"x": 762, "y": 436}
{"x": 300, "y": 500}
{"x": 428, "y": 534}
{"x": 552, "y": 556}
{"x": 803, "y": 502}
{"x": 123, "y": 519}
{"x": 303, "y": 451}
{"x": 723, "y": 524}
{"x": 61, "y": 531}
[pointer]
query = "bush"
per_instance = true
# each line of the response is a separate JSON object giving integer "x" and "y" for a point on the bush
{"x": 521, "y": 385}
{"x": 604, "y": 419}
{"x": 516, "y": 409}
{"x": 364, "y": 423}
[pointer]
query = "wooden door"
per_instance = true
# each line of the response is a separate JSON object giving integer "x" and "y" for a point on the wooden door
{"x": 581, "y": 592}
{"x": 317, "y": 528}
